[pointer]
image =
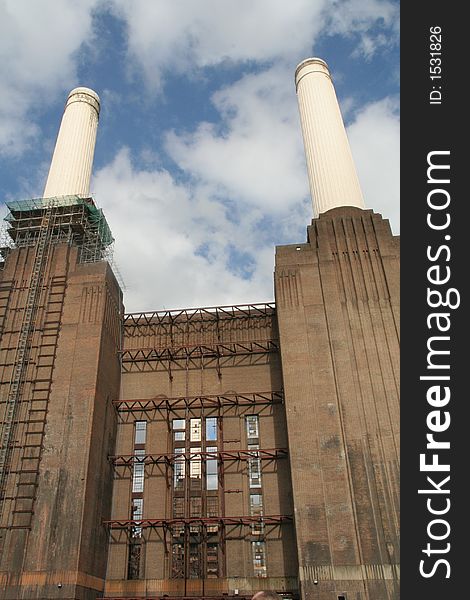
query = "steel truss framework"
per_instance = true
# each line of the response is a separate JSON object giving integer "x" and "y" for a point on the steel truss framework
{"x": 216, "y": 313}
{"x": 187, "y": 356}
{"x": 131, "y": 524}
{"x": 218, "y": 350}
{"x": 199, "y": 402}
{"x": 129, "y": 460}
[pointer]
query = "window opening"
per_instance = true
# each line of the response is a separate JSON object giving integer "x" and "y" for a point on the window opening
{"x": 140, "y": 432}
{"x": 211, "y": 470}
{"x": 195, "y": 468}
{"x": 252, "y": 426}
{"x": 259, "y": 558}
{"x": 139, "y": 469}
{"x": 211, "y": 429}
{"x": 179, "y": 469}
{"x": 256, "y": 510}
{"x": 195, "y": 430}
{"x": 179, "y": 429}
{"x": 254, "y": 467}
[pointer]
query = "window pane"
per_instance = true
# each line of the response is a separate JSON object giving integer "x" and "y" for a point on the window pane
{"x": 140, "y": 432}
{"x": 180, "y": 436}
{"x": 137, "y": 510}
{"x": 178, "y": 508}
{"x": 195, "y": 506}
{"x": 177, "y": 561}
{"x": 195, "y": 463}
{"x": 212, "y": 560}
{"x": 211, "y": 470}
{"x": 256, "y": 510}
{"x": 138, "y": 474}
{"x": 256, "y": 502}
{"x": 259, "y": 559}
{"x": 212, "y": 506}
{"x": 179, "y": 424}
{"x": 211, "y": 482}
{"x": 254, "y": 467}
{"x": 137, "y": 506}
{"x": 252, "y": 428}
{"x": 211, "y": 429}
{"x": 195, "y": 426}
{"x": 180, "y": 469}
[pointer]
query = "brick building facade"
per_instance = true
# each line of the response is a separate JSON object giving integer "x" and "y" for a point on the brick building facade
{"x": 198, "y": 452}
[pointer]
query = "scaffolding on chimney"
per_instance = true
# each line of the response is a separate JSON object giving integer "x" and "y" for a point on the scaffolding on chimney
{"x": 74, "y": 220}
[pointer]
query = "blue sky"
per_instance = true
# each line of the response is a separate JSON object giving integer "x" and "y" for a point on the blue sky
{"x": 199, "y": 163}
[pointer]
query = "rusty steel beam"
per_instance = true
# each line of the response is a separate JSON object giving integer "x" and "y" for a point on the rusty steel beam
{"x": 202, "y": 521}
{"x": 217, "y": 350}
{"x": 213, "y": 401}
{"x": 128, "y": 460}
{"x": 199, "y": 314}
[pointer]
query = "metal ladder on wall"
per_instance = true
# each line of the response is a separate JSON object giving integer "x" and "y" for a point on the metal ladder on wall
{"x": 23, "y": 349}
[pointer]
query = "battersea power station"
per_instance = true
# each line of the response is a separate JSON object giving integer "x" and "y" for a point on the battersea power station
{"x": 204, "y": 453}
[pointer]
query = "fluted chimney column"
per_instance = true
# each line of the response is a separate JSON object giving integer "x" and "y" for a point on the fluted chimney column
{"x": 72, "y": 161}
{"x": 331, "y": 170}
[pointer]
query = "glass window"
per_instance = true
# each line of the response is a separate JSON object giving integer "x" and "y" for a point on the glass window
{"x": 211, "y": 470}
{"x": 134, "y": 560}
{"x": 138, "y": 474}
{"x": 259, "y": 558}
{"x": 180, "y": 436}
{"x": 180, "y": 469}
{"x": 140, "y": 432}
{"x": 177, "y": 562}
{"x": 252, "y": 426}
{"x": 178, "y": 508}
{"x": 256, "y": 504}
{"x": 212, "y": 511}
{"x": 179, "y": 424}
{"x": 195, "y": 463}
{"x": 137, "y": 511}
{"x": 212, "y": 506}
{"x": 137, "y": 507}
{"x": 195, "y": 506}
{"x": 256, "y": 510}
{"x": 195, "y": 561}
{"x": 254, "y": 467}
{"x": 195, "y": 430}
{"x": 211, "y": 429}
{"x": 212, "y": 560}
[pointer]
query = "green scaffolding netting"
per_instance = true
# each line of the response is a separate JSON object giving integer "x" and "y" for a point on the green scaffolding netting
{"x": 95, "y": 214}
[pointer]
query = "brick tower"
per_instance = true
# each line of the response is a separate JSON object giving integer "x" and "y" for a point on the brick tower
{"x": 60, "y": 314}
{"x": 337, "y": 301}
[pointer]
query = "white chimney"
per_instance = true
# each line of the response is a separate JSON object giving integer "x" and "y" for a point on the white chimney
{"x": 331, "y": 171}
{"x": 72, "y": 161}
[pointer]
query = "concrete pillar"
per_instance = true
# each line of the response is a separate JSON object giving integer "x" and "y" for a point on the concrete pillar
{"x": 72, "y": 160}
{"x": 331, "y": 171}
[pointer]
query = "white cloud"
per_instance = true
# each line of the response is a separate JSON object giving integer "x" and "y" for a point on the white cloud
{"x": 255, "y": 155}
{"x": 37, "y": 45}
{"x": 247, "y": 191}
{"x": 173, "y": 246}
{"x": 181, "y": 35}
{"x": 185, "y": 36}
{"x": 367, "y": 19}
{"x": 375, "y": 142}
